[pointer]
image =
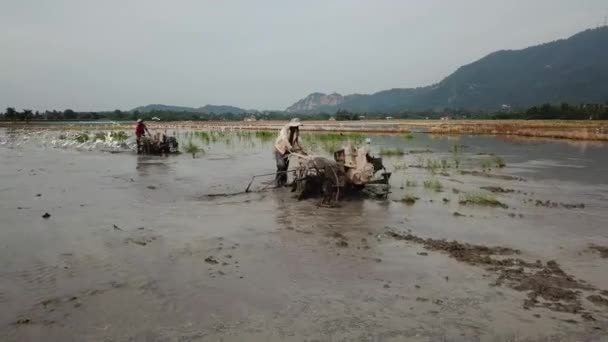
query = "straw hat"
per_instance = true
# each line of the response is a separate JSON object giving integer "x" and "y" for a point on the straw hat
{"x": 140, "y": 120}
{"x": 295, "y": 122}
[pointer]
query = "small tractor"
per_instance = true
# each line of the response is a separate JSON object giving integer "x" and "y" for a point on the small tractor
{"x": 351, "y": 172}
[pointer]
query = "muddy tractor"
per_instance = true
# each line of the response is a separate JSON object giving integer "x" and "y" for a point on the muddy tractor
{"x": 352, "y": 172}
{"x": 157, "y": 144}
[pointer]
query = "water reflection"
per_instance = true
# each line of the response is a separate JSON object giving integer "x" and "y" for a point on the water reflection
{"x": 153, "y": 165}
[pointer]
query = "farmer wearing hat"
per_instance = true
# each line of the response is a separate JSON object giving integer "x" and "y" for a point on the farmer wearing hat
{"x": 140, "y": 132}
{"x": 288, "y": 141}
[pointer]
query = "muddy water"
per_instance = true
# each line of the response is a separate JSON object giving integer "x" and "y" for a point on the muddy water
{"x": 134, "y": 248}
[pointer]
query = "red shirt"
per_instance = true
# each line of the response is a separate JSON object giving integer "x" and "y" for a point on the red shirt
{"x": 140, "y": 129}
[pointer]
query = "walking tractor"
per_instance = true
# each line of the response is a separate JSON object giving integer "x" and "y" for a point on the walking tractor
{"x": 353, "y": 171}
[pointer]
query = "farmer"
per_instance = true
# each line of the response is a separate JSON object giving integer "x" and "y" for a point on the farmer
{"x": 140, "y": 132}
{"x": 288, "y": 141}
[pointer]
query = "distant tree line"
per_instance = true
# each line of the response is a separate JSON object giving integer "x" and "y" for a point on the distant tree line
{"x": 563, "y": 111}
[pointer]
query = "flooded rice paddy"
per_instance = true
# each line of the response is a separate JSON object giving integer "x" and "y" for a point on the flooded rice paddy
{"x": 136, "y": 249}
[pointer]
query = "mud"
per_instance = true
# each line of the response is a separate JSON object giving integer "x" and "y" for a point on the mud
{"x": 552, "y": 204}
{"x": 603, "y": 250}
{"x": 409, "y": 200}
{"x": 491, "y": 175}
{"x": 260, "y": 266}
{"x": 545, "y": 284}
{"x": 497, "y": 189}
{"x": 485, "y": 202}
{"x": 598, "y": 300}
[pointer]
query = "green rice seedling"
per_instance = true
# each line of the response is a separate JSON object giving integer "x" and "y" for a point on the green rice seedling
{"x": 400, "y": 166}
{"x": 394, "y": 152}
{"x": 498, "y": 161}
{"x": 265, "y": 135}
{"x": 433, "y": 184}
{"x": 481, "y": 199}
{"x": 408, "y": 136}
{"x": 100, "y": 136}
{"x": 411, "y": 184}
{"x": 331, "y": 146}
{"x": 62, "y": 136}
{"x": 203, "y": 136}
{"x": 456, "y": 163}
{"x": 432, "y": 166}
{"x": 355, "y": 137}
{"x": 119, "y": 135}
{"x": 192, "y": 148}
{"x": 457, "y": 148}
{"x": 82, "y": 137}
{"x": 485, "y": 163}
{"x": 444, "y": 164}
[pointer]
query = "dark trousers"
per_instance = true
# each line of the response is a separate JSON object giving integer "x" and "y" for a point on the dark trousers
{"x": 282, "y": 166}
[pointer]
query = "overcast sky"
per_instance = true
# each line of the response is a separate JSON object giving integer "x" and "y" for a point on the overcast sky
{"x": 108, "y": 54}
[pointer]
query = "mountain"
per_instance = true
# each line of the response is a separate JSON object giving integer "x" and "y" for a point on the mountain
{"x": 316, "y": 101}
{"x": 573, "y": 70}
{"x": 208, "y": 109}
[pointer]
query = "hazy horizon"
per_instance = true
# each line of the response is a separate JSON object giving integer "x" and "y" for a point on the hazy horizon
{"x": 97, "y": 56}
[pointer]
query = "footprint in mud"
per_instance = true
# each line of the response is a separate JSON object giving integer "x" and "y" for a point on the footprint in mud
{"x": 141, "y": 241}
{"x": 57, "y": 304}
{"x": 211, "y": 260}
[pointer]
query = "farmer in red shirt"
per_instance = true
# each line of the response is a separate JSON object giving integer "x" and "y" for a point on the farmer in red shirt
{"x": 140, "y": 132}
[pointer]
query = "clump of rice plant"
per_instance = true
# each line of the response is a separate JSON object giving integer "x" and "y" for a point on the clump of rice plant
{"x": 100, "y": 136}
{"x": 432, "y": 166}
{"x": 119, "y": 136}
{"x": 485, "y": 163}
{"x": 62, "y": 136}
{"x": 400, "y": 166}
{"x": 433, "y": 184}
{"x": 265, "y": 135}
{"x": 457, "y": 148}
{"x": 391, "y": 152}
{"x": 481, "y": 199}
{"x": 355, "y": 137}
{"x": 498, "y": 161}
{"x": 203, "y": 136}
{"x": 411, "y": 184}
{"x": 492, "y": 160}
{"x": 408, "y": 136}
{"x": 192, "y": 148}
{"x": 82, "y": 137}
{"x": 409, "y": 199}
